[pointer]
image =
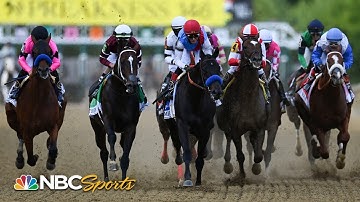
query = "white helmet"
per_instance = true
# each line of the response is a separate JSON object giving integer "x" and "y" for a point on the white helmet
{"x": 178, "y": 22}
{"x": 207, "y": 29}
{"x": 122, "y": 31}
{"x": 266, "y": 35}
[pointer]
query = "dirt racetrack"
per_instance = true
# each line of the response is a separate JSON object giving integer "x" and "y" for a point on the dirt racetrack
{"x": 290, "y": 179}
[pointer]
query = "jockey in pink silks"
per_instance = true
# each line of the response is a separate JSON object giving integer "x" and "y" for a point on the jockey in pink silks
{"x": 273, "y": 52}
{"x": 26, "y": 62}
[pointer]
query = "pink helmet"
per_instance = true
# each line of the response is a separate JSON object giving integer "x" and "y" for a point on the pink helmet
{"x": 250, "y": 30}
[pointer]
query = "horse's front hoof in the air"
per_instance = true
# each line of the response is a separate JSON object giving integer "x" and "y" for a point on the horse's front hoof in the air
{"x": 340, "y": 161}
{"x": 228, "y": 168}
{"x": 256, "y": 168}
{"x": 188, "y": 183}
{"x": 32, "y": 161}
{"x": 178, "y": 160}
{"x": 50, "y": 166}
{"x": 19, "y": 163}
{"x": 113, "y": 166}
{"x": 164, "y": 159}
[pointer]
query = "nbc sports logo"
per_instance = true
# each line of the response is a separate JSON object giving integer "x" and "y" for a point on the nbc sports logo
{"x": 26, "y": 182}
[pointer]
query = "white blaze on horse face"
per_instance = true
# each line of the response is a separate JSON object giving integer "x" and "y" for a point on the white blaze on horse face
{"x": 130, "y": 59}
{"x": 335, "y": 58}
{"x": 254, "y": 42}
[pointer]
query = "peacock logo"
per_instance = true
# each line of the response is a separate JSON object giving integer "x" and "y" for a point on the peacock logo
{"x": 26, "y": 183}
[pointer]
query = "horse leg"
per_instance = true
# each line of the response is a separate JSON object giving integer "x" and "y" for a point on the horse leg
{"x": 324, "y": 152}
{"x": 183, "y": 131}
{"x": 239, "y": 155}
{"x": 228, "y": 167}
{"x": 257, "y": 140}
{"x": 100, "y": 138}
{"x": 294, "y": 118}
{"x": 249, "y": 147}
{"x": 20, "y": 158}
{"x": 164, "y": 154}
{"x": 127, "y": 139}
{"x": 112, "y": 140}
{"x": 29, "y": 149}
{"x": 315, "y": 148}
{"x": 342, "y": 140}
{"x": 269, "y": 146}
{"x": 199, "y": 163}
{"x": 52, "y": 147}
{"x": 308, "y": 138}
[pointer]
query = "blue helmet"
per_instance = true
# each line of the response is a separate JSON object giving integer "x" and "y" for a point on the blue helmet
{"x": 315, "y": 26}
{"x": 334, "y": 34}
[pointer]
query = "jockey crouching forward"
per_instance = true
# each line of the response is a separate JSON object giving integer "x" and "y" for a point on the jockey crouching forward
{"x": 332, "y": 40}
{"x": 273, "y": 52}
{"x": 122, "y": 37}
{"x": 249, "y": 31}
{"x": 26, "y": 62}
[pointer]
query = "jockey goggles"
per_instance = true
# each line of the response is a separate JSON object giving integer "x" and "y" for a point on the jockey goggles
{"x": 334, "y": 43}
{"x": 315, "y": 33}
{"x": 193, "y": 36}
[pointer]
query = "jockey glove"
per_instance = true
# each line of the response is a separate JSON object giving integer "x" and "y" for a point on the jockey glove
{"x": 233, "y": 62}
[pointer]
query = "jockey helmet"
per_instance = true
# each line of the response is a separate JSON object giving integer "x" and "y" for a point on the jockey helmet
{"x": 39, "y": 32}
{"x": 177, "y": 24}
{"x": 122, "y": 31}
{"x": 207, "y": 29}
{"x": 250, "y": 30}
{"x": 266, "y": 36}
{"x": 192, "y": 27}
{"x": 315, "y": 26}
{"x": 334, "y": 34}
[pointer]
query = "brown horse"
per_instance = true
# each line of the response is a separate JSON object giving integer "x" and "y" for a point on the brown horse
{"x": 37, "y": 109}
{"x": 244, "y": 109}
{"x": 322, "y": 115}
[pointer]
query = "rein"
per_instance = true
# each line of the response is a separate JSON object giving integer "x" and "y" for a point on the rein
{"x": 201, "y": 75}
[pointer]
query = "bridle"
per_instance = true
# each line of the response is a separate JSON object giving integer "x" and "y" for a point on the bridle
{"x": 248, "y": 59}
{"x": 118, "y": 71}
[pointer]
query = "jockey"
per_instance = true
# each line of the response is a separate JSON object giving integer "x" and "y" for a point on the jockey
{"x": 215, "y": 43}
{"x": 332, "y": 40}
{"x": 249, "y": 31}
{"x": 169, "y": 51}
{"x": 26, "y": 62}
{"x": 273, "y": 52}
{"x": 192, "y": 39}
{"x": 122, "y": 37}
{"x": 308, "y": 40}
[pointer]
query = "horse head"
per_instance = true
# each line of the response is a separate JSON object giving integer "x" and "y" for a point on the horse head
{"x": 210, "y": 72}
{"x": 334, "y": 67}
{"x": 251, "y": 54}
{"x": 126, "y": 68}
{"x": 42, "y": 54}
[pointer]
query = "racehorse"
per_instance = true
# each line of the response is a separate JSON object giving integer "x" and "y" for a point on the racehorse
{"x": 244, "y": 109}
{"x": 274, "y": 118}
{"x": 322, "y": 115}
{"x": 195, "y": 108}
{"x": 8, "y": 71}
{"x": 37, "y": 108}
{"x": 120, "y": 111}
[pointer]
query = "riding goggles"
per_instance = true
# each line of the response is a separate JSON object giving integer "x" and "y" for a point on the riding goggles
{"x": 334, "y": 43}
{"x": 315, "y": 33}
{"x": 193, "y": 36}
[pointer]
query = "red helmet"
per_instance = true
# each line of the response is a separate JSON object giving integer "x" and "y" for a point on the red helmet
{"x": 192, "y": 27}
{"x": 250, "y": 30}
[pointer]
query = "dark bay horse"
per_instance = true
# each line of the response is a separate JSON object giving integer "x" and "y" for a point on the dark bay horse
{"x": 244, "y": 109}
{"x": 274, "y": 118}
{"x": 120, "y": 111}
{"x": 328, "y": 109}
{"x": 195, "y": 108}
{"x": 37, "y": 109}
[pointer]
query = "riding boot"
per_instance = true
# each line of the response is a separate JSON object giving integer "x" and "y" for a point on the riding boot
{"x": 284, "y": 100}
{"x": 142, "y": 97}
{"x": 227, "y": 78}
{"x": 166, "y": 82}
{"x": 262, "y": 76}
{"x": 95, "y": 86}
{"x": 59, "y": 90}
{"x": 347, "y": 83}
{"x": 309, "y": 80}
{"x": 14, "y": 91}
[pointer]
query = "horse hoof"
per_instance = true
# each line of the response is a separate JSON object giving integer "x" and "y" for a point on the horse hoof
{"x": 209, "y": 156}
{"x": 19, "y": 163}
{"x": 50, "y": 166}
{"x": 340, "y": 161}
{"x": 256, "y": 168}
{"x": 164, "y": 160}
{"x": 197, "y": 183}
{"x": 273, "y": 149}
{"x": 179, "y": 160}
{"x": 298, "y": 152}
{"x": 228, "y": 168}
{"x": 106, "y": 179}
{"x": 188, "y": 183}
{"x": 32, "y": 162}
{"x": 113, "y": 166}
{"x": 181, "y": 182}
